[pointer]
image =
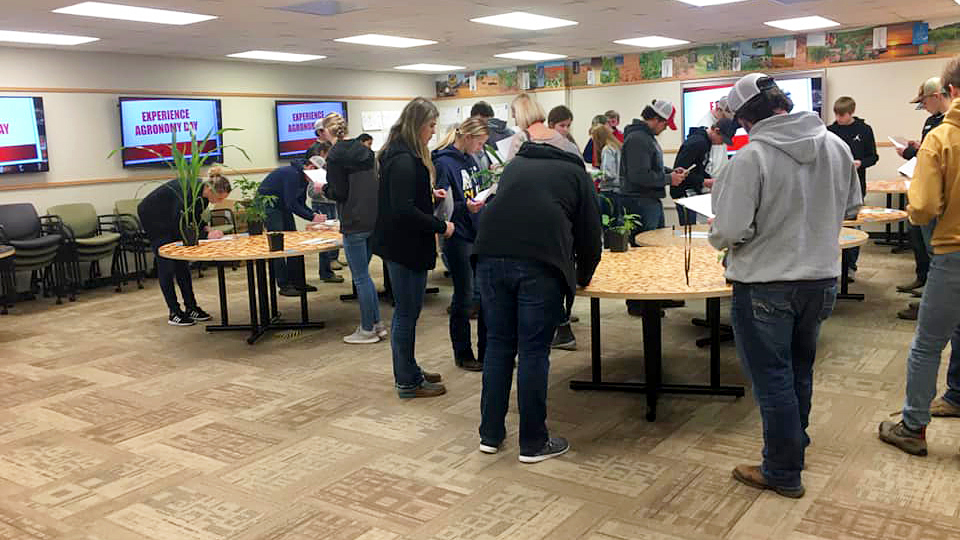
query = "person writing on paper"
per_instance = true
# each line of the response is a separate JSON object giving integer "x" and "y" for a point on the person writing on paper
{"x": 160, "y": 214}
{"x": 779, "y": 206}
{"x": 530, "y": 119}
{"x": 934, "y": 200}
{"x": 933, "y": 99}
{"x": 457, "y": 174}
{"x": 352, "y": 182}
{"x": 693, "y": 157}
{"x": 404, "y": 237}
{"x": 289, "y": 184}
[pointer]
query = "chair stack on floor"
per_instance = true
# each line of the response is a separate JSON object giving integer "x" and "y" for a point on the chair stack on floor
{"x": 88, "y": 239}
{"x": 133, "y": 239}
{"x": 38, "y": 242}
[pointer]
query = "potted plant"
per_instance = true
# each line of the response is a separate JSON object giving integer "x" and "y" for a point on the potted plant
{"x": 187, "y": 168}
{"x": 252, "y": 206}
{"x": 617, "y": 229}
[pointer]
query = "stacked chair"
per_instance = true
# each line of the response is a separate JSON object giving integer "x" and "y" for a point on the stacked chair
{"x": 38, "y": 241}
{"x": 133, "y": 239}
{"x": 88, "y": 239}
{"x": 8, "y": 278}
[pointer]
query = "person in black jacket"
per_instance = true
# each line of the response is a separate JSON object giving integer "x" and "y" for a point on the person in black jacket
{"x": 352, "y": 183}
{"x": 693, "y": 156}
{"x": 859, "y": 137}
{"x": 538, "y": 240}
{"x": 405, "y": 236}
{"x": 457, "y": 174}
{"x": 160, "y": 214}
{"x": 289, "y": 185}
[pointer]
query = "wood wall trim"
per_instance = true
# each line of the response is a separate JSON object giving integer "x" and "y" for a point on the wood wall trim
{"x": 143, "y": 178}
{"x": 517, "y": 93}
{"x": 127, "y": 91}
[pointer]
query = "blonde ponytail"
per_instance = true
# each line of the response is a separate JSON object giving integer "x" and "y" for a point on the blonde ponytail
{"x": 471, "y": 127}
{"x": 217, "y": 181}
{"x": 335, "y": 125}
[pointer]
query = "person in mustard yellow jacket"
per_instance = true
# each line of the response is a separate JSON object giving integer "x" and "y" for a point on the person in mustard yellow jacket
{"x": 935, "y": 195}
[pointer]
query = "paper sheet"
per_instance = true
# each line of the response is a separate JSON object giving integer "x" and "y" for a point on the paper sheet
{"x": 817, "y": 39}
{"x": 880, "y": 37}
{"x": 221, "y": 239}
{"x": 503, "y": 147}
{"x": 701, "y": 204}
{"x": 389, "y": 119}
{"x": 907, "y": 168}
{"x": 899, "y": 142}
{"x": 790, "y": 48}
{"x": 666, "y": 68}
{"x": 317, "y": 241}
{"x": 371, "y": 120}
{"x": 694, "y": 234}
{"x": 486, "y": 194}
{"x": 317, "y": 176}
{"x": 502, "y": 111}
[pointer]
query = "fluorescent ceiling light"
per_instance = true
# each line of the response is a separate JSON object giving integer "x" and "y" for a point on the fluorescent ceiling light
{"x": 651, "y": 42}
{"x": 524, "y": 21}
{"x": 276, "y": 56}
{"x": 802, "y": 23}
{"x": 703, "y": 3}
{"x": 132, "y": 13}
{"x": 430, "y": 67}
{"x": 380, "y": 40}
{"x": 531, "y": 56}
{"x": 43, "y": 39}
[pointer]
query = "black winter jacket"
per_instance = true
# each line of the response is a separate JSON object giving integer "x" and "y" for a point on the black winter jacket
{"x": 352, "y": 183}
{"x": 642, "y": 173}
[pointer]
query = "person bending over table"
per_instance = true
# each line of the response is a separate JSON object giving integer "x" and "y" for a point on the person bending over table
{"x": 289, "y": 185}
{"x": 538, "y": 239}
{"x": 160, "y": 214}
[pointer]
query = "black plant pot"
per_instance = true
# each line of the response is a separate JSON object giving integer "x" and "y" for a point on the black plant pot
{"x": 616, "y": 242}
{"x": 255, "y": 227}
{"x": 275, "y": 241}
{"x": 191, "y": 236}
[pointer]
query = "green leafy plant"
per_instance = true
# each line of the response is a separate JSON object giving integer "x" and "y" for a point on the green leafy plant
{"x": 252, "y": 205}
{"x": 624, "y": 224}
{"x": 187, "y": 167}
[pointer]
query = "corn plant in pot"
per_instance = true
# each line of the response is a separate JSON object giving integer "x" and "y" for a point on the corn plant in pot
{"x": 252, "y": 206}
{"x": 617, "y": 230}
{"x": 186, "y": 162}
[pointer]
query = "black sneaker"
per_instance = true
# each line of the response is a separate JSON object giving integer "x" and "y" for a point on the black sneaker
{"x": 198, "y": 314}
{"x": 556, "y": 446}
{"x": 564, "y": 339}
{"x": 290, "y": 291}
{"x": 308, "y": 288}
{"x": 179, "y": 318}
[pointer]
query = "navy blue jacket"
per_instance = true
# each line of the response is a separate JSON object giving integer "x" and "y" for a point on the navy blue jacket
{"x": 455, "y": 172}
{"x": 289, "y": 184}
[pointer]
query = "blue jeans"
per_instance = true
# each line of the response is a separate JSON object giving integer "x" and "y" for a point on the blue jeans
{"x": 289, "y": 271}
{"x": 650, "y": 211}
{"x": 523, "y": 300}
{"x": 952, "y": 395}
{"x": 408, "y": 291}
{"x": 327, "y": 257}
{"x": 357, "y": 248}
{"x": 776, "y": 326}
{"x": 458, "y": 253}
{"x": 937, "y": 324}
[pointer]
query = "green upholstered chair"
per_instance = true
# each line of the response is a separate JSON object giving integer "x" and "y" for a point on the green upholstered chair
{"x": 38, "y": 242}
{"x": 133, "y": 239}
{"x": 90, "y": 238}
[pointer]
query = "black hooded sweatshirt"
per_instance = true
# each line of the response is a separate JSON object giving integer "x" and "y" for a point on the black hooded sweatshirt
{"x": 694, "y": 151}
{"x": 545, "y": 210}
{"x": 352, "y": 183}
{"x": 160, "y": 211}
{"x": 859, "y": 137}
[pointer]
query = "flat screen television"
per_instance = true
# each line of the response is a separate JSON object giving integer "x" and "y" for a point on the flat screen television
{"x": 147, "y": 126}
{"x": 805, "y": 89}
{"x": 23, "y": 136}
{"x": 295, "y": 121}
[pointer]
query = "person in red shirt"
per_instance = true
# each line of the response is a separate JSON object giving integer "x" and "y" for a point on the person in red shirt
{"x": 613, "y": 120}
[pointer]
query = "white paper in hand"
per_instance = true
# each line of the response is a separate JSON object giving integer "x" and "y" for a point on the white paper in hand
{"x": 899, "y": 142}
{"x": 908, "y": 168}
{"x": 317, "y": 176}
{"x": 701, "y": 204}
{"x": 486, "y": 194}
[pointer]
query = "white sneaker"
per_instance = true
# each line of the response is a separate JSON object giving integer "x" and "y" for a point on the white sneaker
{"x": 362, "y": 337}
{"x": 381, "y": 329}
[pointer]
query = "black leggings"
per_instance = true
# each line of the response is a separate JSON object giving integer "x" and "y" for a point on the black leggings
{"x": 167, "y": 270}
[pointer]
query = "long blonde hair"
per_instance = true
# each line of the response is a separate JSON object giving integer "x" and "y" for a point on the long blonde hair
{"x": 471, "y": 127}
{"x": 335, "y": 125}
{"x": 526, "y": 111}
{"x": 603, "y": 136}
{"x": 415, "y": 115}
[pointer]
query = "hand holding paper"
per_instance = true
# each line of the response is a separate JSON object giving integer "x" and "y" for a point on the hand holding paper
{"x": 701, "y": 204}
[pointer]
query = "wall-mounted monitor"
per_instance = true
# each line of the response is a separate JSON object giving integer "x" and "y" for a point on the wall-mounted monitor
{"x": 148, "y": 126}
{"x": 805, "y": 89}
{"x": 295, "y": 121}
{"x": 23, "y": 136}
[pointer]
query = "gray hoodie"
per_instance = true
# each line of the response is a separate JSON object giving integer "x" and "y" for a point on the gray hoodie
{"x": 781, "y": 200}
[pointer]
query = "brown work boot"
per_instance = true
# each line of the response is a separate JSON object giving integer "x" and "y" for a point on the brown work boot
{"x": 904, "y": 438}
{"x": 432, "y": 377}
{"x": 942, "y": 407}
{"x": 753, "y": 477}
{"x": 916, "y": 284}
{"x": 911, "y": 313}
{"x": 426, "y": 389}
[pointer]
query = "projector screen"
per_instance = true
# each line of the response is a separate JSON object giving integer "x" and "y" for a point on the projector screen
{"x": 700, "y": 98}
{"x": 23, "y": 136}
{"x": 295, "y": 121}
{"x": 148, "y": 124}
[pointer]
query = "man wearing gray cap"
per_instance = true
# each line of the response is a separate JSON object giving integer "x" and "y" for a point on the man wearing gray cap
{"x": 779, "y": 204}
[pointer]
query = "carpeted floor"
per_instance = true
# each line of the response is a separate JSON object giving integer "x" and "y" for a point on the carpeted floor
{"x": 116, "y": 426}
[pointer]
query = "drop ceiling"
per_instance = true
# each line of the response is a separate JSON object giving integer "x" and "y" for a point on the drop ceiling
{"x": 261, "y": 25}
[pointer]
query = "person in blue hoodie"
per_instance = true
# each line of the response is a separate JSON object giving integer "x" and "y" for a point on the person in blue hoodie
{"x": 289, "y": 185}
{"x": 457, "y": 174}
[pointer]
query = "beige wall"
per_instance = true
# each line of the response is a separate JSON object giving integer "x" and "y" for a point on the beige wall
{"x": 83, "y": 127}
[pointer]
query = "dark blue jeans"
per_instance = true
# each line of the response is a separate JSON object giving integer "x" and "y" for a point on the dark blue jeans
{"x": 650, "y": 211}
{"x": 523, "y": 300}
{"x": 408, "y": 289}
{"x": 776, "y": 326}
{"x": 289, "y": 271}
{"x": 458, "y": 253}
{"x": 330, "y": 210}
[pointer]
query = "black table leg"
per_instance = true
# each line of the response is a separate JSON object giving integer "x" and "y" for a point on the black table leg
{"x": 222, "y": 284}
{"x": 652, "y": 354}
{"x": 844, "y": 285}
{"x": 273, "y": 292}
{"x": 724, "y": 331}
{"x": 713, "y": 314}
{"x": 595, "y": 348}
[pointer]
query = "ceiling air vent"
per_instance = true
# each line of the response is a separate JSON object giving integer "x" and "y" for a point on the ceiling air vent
{"x": 324, "y": 8}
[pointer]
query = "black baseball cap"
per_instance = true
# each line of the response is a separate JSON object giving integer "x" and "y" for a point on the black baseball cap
{"x": 728, "y": 128}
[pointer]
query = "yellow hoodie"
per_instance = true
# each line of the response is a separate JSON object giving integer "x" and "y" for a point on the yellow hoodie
{"x": 935, "y": 189}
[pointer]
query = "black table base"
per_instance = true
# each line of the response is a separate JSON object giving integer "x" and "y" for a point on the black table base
{"x": 900, "y": 241}
{"x": 653, "y": 360}
{"x": 845, "y": 294}
{"x": 264, "y": 315}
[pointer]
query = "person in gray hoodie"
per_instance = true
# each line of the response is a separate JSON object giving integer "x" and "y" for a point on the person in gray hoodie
{"x": 779, "y": 206}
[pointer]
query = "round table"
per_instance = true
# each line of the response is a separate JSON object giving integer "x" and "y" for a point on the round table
{"x": 652, "y": 275}
{"x": 8, "y": 278}
{"x": 849, "y": 238}
{"x": 261, "y": 289}
{"x": 899, "y": 187}
{"x": 873, "y": 215}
